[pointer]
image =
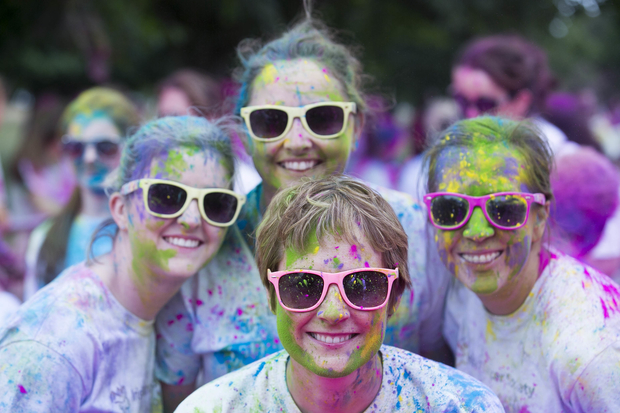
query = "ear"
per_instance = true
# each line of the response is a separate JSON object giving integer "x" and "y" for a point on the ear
{"x": 358, "y": 128}
{"x": 522, "y": 102}
{"x": 541, "y": 215}
{"x": 118, "y": 208}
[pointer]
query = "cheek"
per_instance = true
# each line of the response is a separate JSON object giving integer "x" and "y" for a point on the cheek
{"x": 519, "y": 248}
{"x": 288, "y": 323}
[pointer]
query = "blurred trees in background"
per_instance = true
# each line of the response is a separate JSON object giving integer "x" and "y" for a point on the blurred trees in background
{"x": 408, "y": 45}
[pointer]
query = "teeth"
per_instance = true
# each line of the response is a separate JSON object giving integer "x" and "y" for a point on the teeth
{"x": 331, "y": 339}
{"x": 481, "y": 259}
{"x": 299, "y": 165}
{"x": 182, "y": 242}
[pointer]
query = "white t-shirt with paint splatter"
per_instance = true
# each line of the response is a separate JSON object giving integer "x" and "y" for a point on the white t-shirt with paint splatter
{"x": 410, "y": 383}
{"x": 74, "y": 348}
{"x": 559, "y": 352}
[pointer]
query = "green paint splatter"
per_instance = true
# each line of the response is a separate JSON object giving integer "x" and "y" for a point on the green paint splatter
{"x": 146, "y": 257}
{"x": 312, "y": 247}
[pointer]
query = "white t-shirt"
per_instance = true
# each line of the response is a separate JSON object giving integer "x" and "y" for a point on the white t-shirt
{"x": 410, "y": 383}
{"x": 559, "y": 352}
{"x": 220, "y": 320}
{"x": 73, "y": 348}
{"x": 8, "y": 305}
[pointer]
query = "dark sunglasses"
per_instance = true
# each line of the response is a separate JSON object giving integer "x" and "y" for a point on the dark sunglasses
{"x": 324, "y": 120}
{"x": 304, "y": 290}
{"x": 482, "y": 104}
{"x": 504, "y": 210}
{"x": 105, "y": 147}
{"x": 168, "y": 199}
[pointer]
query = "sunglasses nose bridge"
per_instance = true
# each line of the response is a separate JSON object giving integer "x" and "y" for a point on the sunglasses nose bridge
{"x": 89, "y": 153}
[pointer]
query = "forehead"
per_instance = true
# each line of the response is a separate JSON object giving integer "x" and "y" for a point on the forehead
{"x": 295, "y": 83}
{"x": 481, "y": 170}
{"x": 473, "y": 83}
{"x": 191, "y": 165}
{"x": 95, "y": 124}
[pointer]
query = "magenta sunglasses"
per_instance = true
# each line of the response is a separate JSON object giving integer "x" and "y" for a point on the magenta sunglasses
{"x": 504, "y": 210}
{"x": 304, "y": 290}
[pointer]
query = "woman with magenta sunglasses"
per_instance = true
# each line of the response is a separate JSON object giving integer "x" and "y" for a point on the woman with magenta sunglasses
{"x": 86, "y": 341}
{"x": 540, "y": 328}
{"x": 333, "y": 258}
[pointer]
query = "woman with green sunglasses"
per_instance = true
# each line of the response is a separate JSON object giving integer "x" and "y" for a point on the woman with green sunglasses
{"x": 538, "y": 327}
{"x": 303, "y": 107}
{"x": 86, "y": 342}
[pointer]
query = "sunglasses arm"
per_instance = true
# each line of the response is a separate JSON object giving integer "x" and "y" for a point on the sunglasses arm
{"x": 130, "y": 187}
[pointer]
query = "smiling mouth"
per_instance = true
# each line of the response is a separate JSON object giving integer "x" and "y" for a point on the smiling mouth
{"x": 324, "y": 338}
{"x": 183, "y": 242}
{"x": 481, "y": 258}
{"x": 298, "y": 166}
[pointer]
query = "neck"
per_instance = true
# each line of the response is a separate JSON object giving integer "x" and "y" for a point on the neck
{"x": 141, "y": 294}
{"x": 351, "y": 393}
{"x": 509, "y": 298}
{"x": 93, "y": 204}
{"x": 267, "y": 195}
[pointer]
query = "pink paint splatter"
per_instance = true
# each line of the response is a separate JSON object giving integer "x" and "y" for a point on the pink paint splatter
{"x": 179, "y": 316}
{"x": 22, "y": 390}
{"x": 181, "y": 380}
{"x": 366, "y": 264}
{"x": 210, "y": 292}
{"x": 239, "y": 311}
{"x": 189, "y": 327}
{"x": 605, "y": 312}
{"x": 171, "y": 322}
{"x": 199, "y": 302}
{"x": 524, "y": 409}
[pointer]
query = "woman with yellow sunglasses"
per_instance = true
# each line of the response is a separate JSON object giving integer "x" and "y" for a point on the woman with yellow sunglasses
{"x": 86, "y": 342}
{"x": 302, "y": 103}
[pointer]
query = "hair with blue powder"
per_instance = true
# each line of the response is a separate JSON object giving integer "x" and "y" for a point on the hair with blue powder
{"x": 309, "y": 39}
{"x": 159, "y": 137}
{"x": 523, "y": 137}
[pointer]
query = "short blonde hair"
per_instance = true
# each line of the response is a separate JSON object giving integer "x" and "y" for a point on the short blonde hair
{"x": 336, "y": 205}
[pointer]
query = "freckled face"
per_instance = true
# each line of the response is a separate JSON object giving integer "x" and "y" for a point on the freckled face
{"x": 298, "y": 154}
{"x": 476, "y": 172}
{"x": 176, "y": 247}
{"x": 334, "y": 339}
{"x": 91, "y": 167}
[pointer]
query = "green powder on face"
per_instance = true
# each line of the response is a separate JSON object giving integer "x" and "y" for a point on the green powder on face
{"x": 146, "y": 257}
{"x": 485, "y": 284}
{"x": 292, "y": 255}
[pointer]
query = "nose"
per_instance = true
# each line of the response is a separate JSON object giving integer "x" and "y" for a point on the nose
{"x": 478, "y": 228}
{"x": 90, "y": 154}
{"x": 333, "y": 309}
{"x": 190, "y": 218}
{"x": 297, "y": 139}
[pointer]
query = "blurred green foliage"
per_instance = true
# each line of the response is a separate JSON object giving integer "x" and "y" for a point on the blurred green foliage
{"x": 408, "y": 45}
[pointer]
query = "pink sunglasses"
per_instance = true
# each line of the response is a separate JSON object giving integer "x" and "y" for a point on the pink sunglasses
{"x": 361, "y": 288}
{"x": 504, "y": 210}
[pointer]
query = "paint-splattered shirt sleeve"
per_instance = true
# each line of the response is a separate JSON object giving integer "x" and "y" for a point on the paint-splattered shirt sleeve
{"x": 596, "y": 389}
{"x": 176, "y": 362}
{"x": 34, "y": 379}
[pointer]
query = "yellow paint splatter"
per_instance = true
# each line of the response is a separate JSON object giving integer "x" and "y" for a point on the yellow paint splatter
{"x": 490, "y": 332}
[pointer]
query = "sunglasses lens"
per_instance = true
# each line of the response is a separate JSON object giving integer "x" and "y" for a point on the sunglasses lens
{"x": 268, "y": 123}
{"x": 366, "y": 289}
{"x": 449, "y": 211}
{"x": 73, "y": 149}
{"x": 107, "y": 148}
{"x": 300, "y": 290}
{"x": 486, "y": 104}
{"x": 507, "y": 210}
{"x": 325, "y": 120}
{"x": 220, "y": 207}
{"x": 166, "y": 199}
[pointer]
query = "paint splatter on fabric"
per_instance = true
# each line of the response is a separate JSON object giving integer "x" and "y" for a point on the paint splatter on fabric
{"x": 73, "y": 347}
{"x": 218, "y": 322}
{"x": 410, "y": 383}
{"x": 560, "y": 351}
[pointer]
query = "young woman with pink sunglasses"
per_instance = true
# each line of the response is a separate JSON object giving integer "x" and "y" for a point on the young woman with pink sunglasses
{"x": 540, "y": 328}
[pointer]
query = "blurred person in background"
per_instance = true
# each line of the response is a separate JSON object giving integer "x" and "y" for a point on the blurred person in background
{"x": 586, "y": 189}
{"x": 93, "y": 127}
{"x": 40, "y": 166}
{"x": 383, "y": 145}
{"x": 572, "y": 116}
{"x": 505, "y": 75}
{"x": 438, "y": 113}
{"x": 10, "y": 268}
{"x": 190, "y": 92}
